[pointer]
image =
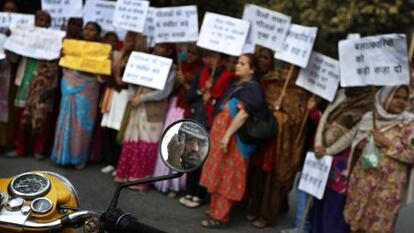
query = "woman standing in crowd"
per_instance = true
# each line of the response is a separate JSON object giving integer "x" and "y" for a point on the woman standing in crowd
{"x": 334, "y": 137}
{"x": 78, "y": 108}
{"x": 206, "y": 89}
{"x": 28, "y": 68}
{"x": 224, "y": 172}
{"x": 113, "y": 111}
{"x": 178, "y": 109}
{"x": 275, "y": 169}
{"x": 144, "y": 127}
{"x": 375, "y": 194}
{"x": 7, "y": 89}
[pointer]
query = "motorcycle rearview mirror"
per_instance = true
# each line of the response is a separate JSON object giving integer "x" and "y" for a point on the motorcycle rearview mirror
{"x": 184, "y": 146}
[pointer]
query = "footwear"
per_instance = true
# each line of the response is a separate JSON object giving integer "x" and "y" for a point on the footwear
{"x": 11, "y": 154}
{"x": 39, "y": 156}
{"x": 108, "y": 169}
{"x": 260, "y": 223}
{"x": 184, "y": 199}
{"x": 291, "y": 230}
{"x": 207, "y": 212}
{"x": 251, "y": 217}
{"x": 172, "y": 194}
{"x": 212, "y": 223}
{"x": 80, "y": 166}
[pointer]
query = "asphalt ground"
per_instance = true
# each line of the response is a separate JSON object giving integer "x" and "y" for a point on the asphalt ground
{"x": 95, "y": 191}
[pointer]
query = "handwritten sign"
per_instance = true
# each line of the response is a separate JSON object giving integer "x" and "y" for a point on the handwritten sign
{"x": 8, "y": 20}
{"x": 62, "y": 10}
{"x": 2, "y": 40}
{"x": 33, "y": 42}
{"x": 298, "y": 45}
{"x": 131, "y": 14}
{"x": 315, "y": 175}
{"x": 101, "y": 12}
{"x": 147, "y": 70}
{"x": 223, "y": 34}
{"x": 321, "y": 76}
{"x": 92, "y": 57}
{"x": 149, "y": 29}
{"x": 375, "y": 60}
{"x": 176, "y": 24}
{"x": 268, "y": 28}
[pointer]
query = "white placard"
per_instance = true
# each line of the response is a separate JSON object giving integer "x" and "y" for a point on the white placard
{"x": 375, "y": 60}
{"x": 131, "y": 15}
{"x": 223, "y": 34}
{"x": 147, "y": 70}
{"x": 176, "y": 24}
{"x": 2, "y": 40}
{"x": 321, "y": 76}
{"x": 15, "y": 19}
{"x": 62, "y": 10}
{"x": 101, "y": 12}
{"x": 34, "y": 42}
{"x": 298, "y": 45}
{"x": 315, "y": 174}
{"x": 268, "y": 28}
{"x": 149, "y": 29}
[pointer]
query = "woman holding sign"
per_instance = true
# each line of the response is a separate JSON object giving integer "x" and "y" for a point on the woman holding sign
{"x": 224, "y": 172}
{"x": 379, "y": 178}
{"x": 78, "y": 108}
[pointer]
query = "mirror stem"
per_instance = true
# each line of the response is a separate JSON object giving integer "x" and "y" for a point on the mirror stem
{"x": 114, "y": 201}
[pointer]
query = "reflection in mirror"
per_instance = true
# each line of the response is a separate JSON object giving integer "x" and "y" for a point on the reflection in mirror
{"x": 184, "y": 145}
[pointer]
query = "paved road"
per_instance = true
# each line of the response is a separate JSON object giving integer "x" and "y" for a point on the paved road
{"x": 95, "y": 190}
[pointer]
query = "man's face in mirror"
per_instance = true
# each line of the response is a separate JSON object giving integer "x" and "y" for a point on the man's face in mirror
{"x": 193, "y": 149}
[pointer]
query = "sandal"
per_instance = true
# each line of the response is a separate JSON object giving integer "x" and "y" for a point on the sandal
{"x": 260, "y": 223}
{"x": 212, "y": 223}
{"x": 207, "y": 212}
{"x": 251, "y": 217}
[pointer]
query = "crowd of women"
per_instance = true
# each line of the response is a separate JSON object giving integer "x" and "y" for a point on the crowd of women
{"x": 78, "y": 117}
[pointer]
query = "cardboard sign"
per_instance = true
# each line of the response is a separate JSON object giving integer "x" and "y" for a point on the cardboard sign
{"x": 8, "y": 20}
{"x": 34, "y": 42}
{"x": 147, "y": 70}
{"x": 131, "y": 15}
{"x": 62, "y": 10}
{"x": 101, "y": 12}
{"x": 149, "y": 29}
{"x": 376, "y": 60}
{"x": 176, "y": 24}
{"x": 268, "y": 28}
{"x": 223, "y": 34}
{"x": 321, "y": 76}
{"x": 298, "y": 45}
{"x": 92, "y": 57}
{"x": 315, "y": 175}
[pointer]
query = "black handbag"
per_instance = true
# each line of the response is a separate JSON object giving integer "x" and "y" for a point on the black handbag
{"x": 259, "y": 128}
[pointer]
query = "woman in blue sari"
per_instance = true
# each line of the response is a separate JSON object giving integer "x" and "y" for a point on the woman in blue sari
{"x": 78, "y": 108}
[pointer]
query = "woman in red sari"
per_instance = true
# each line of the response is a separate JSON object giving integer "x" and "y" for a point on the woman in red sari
{"x": 224, "y": 173}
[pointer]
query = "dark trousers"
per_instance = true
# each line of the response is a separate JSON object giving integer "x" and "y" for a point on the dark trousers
{"x": 193, "y": 186}
{"x": 110, "y": 148}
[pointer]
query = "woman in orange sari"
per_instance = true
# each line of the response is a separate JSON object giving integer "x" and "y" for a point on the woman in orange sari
{"x": 224, "y": 173}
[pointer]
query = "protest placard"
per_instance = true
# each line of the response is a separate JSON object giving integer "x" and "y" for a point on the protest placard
{"x": 62, "y": 10}
{"x": 34, "y": 42}
{"x": 149, "y": 28}
{"x": 2, "y": 40}
{"x": 375, "y": 60}
{"x": 147, "y": 70}
{"x": 131, "y": 15}
{"x": 315, "y": 174}
{"x": 92, "y": 57}
{"x": 101, "y": 12}
{"x": 223, "y": 34}
{"x": 298, "y": 45}
{"x": 176, "y": 24}
{"x": 8, "y": 20}
{"x": 321, "y": 76}
{"x": 267, "y": 28}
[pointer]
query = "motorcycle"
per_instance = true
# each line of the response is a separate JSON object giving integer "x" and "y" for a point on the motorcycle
{"x": 44, "y": 201}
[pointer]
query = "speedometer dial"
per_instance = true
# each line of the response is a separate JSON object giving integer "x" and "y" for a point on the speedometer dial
{"x": 30, "y": 185}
